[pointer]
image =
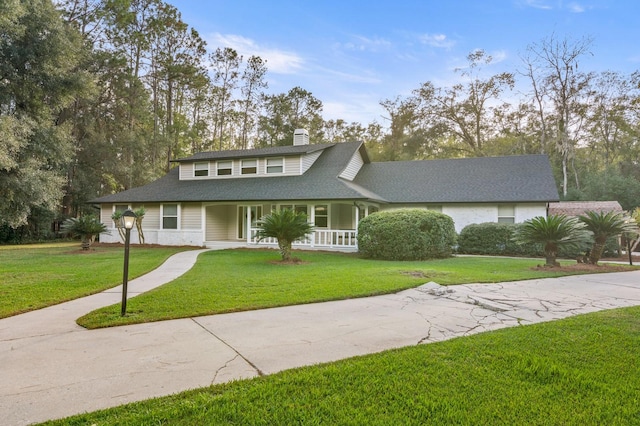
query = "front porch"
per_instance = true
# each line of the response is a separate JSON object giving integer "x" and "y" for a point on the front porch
{"x": 321, "y": 238}
{"x": 336, "y": 223}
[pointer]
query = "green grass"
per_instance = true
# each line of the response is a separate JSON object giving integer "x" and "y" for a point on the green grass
{"x": 245, "y": 279}
{"x": 577, "y": 371}
{"x": 40, "y": 275}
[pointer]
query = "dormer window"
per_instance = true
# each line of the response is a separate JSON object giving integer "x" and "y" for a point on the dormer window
{"x": 249, "y": 167}
{"x": 201, "y": 169}
{"x": 224, "y": 168}
{"x": 275, "y": 165}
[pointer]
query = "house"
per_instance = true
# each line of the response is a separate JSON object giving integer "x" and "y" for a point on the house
{"x": 577, "y": 208}
{"x": 217, "y": 196}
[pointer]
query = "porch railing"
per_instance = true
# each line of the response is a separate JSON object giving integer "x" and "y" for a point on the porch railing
{"x": 341, "y": 238}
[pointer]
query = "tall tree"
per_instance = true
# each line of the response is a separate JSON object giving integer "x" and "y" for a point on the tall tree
{"x": 225, "y": 64}
{"x": 253, "y": 82}
{"x": 285, "y": 112}
{"x": 39, "y": 54}
{"x": 466, "y": 109}
{"x": 560, "y": 91}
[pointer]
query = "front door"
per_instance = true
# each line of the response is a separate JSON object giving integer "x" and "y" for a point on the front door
{"x": 247, "y": 216}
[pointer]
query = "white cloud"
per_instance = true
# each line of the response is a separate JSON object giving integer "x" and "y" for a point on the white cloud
{"x": 366, "y": 44}
{"x": 537, "y": 4}
{"x": 278, "y": 61}
{"x": 437, "y": 40}
{"x": 576, "y": 7}
{"x": 499, "y": 56}
{"x": 363, "y": 109}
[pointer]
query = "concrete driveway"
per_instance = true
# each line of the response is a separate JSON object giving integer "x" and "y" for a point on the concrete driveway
{"x": 51, "y": 368}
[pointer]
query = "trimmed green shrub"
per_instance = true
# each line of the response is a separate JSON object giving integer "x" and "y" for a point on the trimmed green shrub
{"x": 497, "y": 239}
{"x": 489, "y": 238}
{"x": 406, "y": 234}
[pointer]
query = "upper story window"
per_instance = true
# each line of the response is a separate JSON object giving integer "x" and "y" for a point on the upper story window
{"x": 224, "y": 168}
{"x": 506, "y": 214}
{"x": 201, "y": 169}
{"x": 249, "y": 167}
{"x": 275, "y": 165}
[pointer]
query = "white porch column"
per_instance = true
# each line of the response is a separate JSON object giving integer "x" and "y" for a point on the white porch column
{"x": 203, "y": 215}
{"x": 312, "y": 217}
{"x": 357, "y": 216}
{"x": 248, "y": 224}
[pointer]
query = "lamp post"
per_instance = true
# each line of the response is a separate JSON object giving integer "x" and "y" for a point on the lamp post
{"x": 129, "y": 219}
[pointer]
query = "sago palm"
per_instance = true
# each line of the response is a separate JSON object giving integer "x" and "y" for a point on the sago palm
{"x": 86, "y": 227}
{"x": 552, "y": 232}
{"x": 286, "y": 226}
{"x": 604, "y": 226}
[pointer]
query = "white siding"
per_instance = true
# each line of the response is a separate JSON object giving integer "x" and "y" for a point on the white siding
{"x": 292, "y": 165}
{"x": 466, "y": 214}
{"x": 191, "y": 216}
{"x": 218, "y": 220}
{"x": 308, "y": 160}
{"x": 106, "y": 210}
{"x": 529, "y": 211}
{"x": 186, "y": 171}
{"x": 433, "y": 207}
{"x": 151, "y": 217}
{"x": 353, "y": 167}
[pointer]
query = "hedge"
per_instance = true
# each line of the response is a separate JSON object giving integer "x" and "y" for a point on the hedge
{"x": 496, "y": 239}
{"x": 406, "y": 234}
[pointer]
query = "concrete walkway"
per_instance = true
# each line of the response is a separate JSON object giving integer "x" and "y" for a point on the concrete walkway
{"x": 52, "y": 368}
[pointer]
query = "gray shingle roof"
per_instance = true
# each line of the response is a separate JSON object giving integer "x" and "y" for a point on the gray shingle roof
{"x": 526, "y": 178}
{"x": 487, "y": 179}
{"x": 274, "y": 151}
{"x": 320, "y": 182}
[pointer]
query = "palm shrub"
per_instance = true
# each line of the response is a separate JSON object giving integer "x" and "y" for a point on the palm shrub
{"x": 603, "y": 226}
{"x": 117, "y": 222}
{"x": 139, "y": 216}
{"x": 286, "y": 226}
{"x": 406, "y": 234}
{"x": 552, "y": 232}
{"x": 85, "y": 227}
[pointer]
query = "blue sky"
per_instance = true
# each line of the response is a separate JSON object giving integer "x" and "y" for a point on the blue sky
{"x": 352, "y": 54}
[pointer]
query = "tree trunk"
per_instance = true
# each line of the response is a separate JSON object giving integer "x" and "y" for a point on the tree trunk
{"x": 596, "y": 251}
{"x": 551, "y": 253}
{"x": 285, "y": 250}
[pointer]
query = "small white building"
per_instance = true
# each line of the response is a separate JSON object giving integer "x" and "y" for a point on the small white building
{"x": 217, "y": 196}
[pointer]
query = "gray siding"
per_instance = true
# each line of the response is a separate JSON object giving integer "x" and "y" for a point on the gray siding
{"x": 308, "y": 160}
{"x": 221, "y": 222}
{"x": 353, "y": 167}
{"x": 191, "y": 216}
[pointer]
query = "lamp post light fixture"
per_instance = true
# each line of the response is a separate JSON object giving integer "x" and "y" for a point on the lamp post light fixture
{"x": 128, "y": 219}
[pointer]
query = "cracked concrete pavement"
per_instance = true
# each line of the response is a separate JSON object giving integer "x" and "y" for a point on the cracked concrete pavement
{"x": 52, "y": 368}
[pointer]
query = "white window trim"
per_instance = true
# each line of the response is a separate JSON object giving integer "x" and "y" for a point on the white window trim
{"x": 328, "y": 215}
{"x": 512, "y": 217}
{"x": 242, "y": 166}
{"x": 226, "y": 168}
{"x": 162, "y": 216}
{"x": 266, "y": 167}
{"x": 196, "y": 169}
{"x": 113, "y": 210}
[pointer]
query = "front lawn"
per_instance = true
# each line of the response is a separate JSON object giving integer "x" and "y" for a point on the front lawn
{"x": 245, "y": 279}
{"x": 40, "y": 275}
{"x": 581, "y": 370}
